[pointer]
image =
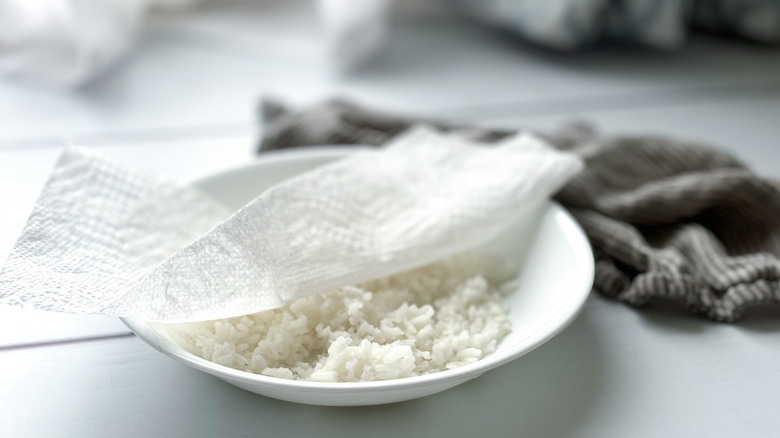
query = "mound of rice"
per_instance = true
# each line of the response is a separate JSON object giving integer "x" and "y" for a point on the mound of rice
{"x": 418, "y": 322}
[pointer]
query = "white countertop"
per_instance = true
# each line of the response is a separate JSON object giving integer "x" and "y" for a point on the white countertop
{"x": 183, "y": 104}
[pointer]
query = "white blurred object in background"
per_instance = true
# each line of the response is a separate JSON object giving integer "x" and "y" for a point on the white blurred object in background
{"x": 353, "y": 30}
{"x": 65, "y": 42}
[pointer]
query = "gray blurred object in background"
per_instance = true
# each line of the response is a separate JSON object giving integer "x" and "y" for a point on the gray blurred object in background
{"x": 571, "y": 24}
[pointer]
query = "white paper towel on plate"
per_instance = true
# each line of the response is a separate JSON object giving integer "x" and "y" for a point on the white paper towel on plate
{"x": 108, "y": 239}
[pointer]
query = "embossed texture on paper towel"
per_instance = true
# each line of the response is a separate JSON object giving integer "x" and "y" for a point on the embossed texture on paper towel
{"x": 95, "y": 229}
{"x": 106, "y": 239}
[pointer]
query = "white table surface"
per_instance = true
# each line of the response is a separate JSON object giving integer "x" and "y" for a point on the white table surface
{"x": 183, "y": 105}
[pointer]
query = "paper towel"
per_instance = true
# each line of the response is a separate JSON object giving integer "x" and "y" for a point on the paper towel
{"x": 108, "y": 239}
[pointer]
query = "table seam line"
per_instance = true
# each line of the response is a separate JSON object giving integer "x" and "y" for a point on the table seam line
{"x": 12, "y": 347}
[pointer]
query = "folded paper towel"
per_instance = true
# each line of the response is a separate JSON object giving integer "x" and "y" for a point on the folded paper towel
{"x": 107, "y": 239}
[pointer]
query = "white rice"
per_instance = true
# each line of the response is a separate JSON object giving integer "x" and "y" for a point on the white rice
{"x": 435, "y": 318}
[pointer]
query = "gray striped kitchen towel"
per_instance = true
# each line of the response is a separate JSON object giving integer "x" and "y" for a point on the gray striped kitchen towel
{"x": 667, "y": 218}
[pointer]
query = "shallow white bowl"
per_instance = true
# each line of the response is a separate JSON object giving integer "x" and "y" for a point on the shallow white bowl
{"x": 554, "y": 281}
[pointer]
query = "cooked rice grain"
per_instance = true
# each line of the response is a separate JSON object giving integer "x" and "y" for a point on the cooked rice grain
{"x": 435, "y": 318}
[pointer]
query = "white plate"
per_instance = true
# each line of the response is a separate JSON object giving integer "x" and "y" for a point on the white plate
{"x": 555, "y": 279}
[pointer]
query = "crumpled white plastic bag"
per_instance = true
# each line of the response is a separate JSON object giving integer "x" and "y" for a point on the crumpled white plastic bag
{"x": 353, "y": 30}
{"x": 65, "y": 42}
